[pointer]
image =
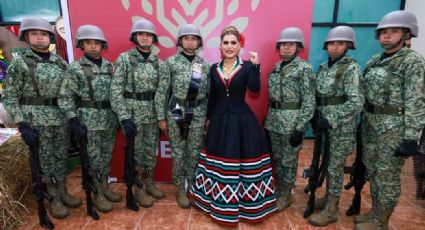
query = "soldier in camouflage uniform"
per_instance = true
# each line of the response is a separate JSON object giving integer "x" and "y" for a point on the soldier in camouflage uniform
{"x": 184, "y": 77}
{"x": 418, "y": 160}
{"x": 133, "y": 89}
{"x": 30, "y": 96}
{"x": 394, "y": 114}
{"x": 85, "y": 101}
{"x": 291, "y": 106}
{"x": 338, "y": 101}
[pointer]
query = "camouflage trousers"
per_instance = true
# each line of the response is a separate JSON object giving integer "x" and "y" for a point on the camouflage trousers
{"x": 100, "y": 145}
{"x": 184, "y": 153}
{"x": 54, "y": 146}
{"x": 341, "y": 145}
{"x": 382, "y": 166}
{"x": 285, "y": 157}
{"x": 145, "y": 146}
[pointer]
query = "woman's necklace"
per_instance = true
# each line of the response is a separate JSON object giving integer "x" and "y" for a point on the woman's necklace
{"x": 227, "y": 70}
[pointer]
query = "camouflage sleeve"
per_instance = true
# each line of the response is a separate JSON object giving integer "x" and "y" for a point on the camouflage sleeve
{"x": 68, "y": 93}
{"x": 308, "y": 102}
{"x": 354, "y": 103}
{"x": 118, "y": 88}
{"x": 14, "y": 84}
{"x": 414, "y": 98}
{"x": 208, "y": 67}
{"x": 162, "y": 91}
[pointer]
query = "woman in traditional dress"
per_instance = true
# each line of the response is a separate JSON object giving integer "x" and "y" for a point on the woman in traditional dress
{"x": 233, "y": 180}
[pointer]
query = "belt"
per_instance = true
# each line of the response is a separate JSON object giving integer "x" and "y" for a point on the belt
{"x": 143, "y": 96}
{"x": 383, "y": 109}
{"x": 325, "y": 101}
{"x": 285, "y": 105}
{"x": 190, "y": 103}
{"x": 95, "y": 104}
{"x": 47, "y": 101}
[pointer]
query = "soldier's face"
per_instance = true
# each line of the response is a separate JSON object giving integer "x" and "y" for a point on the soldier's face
{"x": 190, "y": 43}
{"x": 287, "y": 50}
{"x": 38, "y": 39}
{"x": 92, "y": 47}
{"x": 145, "y": 40}
{"x": 336, "y": 48}
{"x": 230, "y": 46}
{"x": 389, "y": 37}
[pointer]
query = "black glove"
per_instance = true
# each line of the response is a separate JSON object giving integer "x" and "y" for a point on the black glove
{"x": 296, "y": 138}
{"x": 28, "y": 134}
{"x": 407, "y": 148}
{"x": 323, "y": 123}
{"x": 129, "y": 127}
{"x": 77, "y": 128}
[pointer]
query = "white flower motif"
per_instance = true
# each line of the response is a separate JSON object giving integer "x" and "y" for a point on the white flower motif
{"x": 147, "y": 7}
{"x": 189, "y": 7}
{"x": 125, "y": 4}
{"x": 233, "y": 7}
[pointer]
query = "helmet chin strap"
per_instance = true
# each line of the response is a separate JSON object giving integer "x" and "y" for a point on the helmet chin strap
{"x": 392, "y": 46}
{"x": 290, "y": 57}
{"x": 145, "y": 47}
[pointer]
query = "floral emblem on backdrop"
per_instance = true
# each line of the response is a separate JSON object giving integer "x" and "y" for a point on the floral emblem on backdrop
{"x": 207, "y": 18}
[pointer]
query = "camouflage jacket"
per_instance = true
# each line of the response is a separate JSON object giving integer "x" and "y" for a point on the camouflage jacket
{"x": 145, "y": 75}
{"x": 18, "y": 85}
{"x": 175, "y": 75}
{"x": 75, "y": 87}
{"x": 291, "y": 84}
{"x": 400, "y": 86}
{"x": 331, "y": 82}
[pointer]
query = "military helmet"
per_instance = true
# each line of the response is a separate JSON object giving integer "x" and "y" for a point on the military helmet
{"x": 291, "y": 34}
{"x": 189, "y": 29}
{"x": 143, "y": 25}
{"x": 398, "y": 19}
{"x": 86, "y": 32}
{"x": 35, "y": 23}
{"x": 341, "y": 33}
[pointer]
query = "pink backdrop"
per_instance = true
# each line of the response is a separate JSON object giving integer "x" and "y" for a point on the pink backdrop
{"x": 259, "y": 20}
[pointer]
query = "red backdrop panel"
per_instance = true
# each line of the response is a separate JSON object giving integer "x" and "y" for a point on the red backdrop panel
{"x": 259, "y": 20}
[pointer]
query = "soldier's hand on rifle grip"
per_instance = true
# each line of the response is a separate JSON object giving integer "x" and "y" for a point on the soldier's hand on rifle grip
{"x": 129, "y": 128}
{"x": 77, "y": 128}
{"x": 296, "y": 138}
{"x": 407, "y": 148}
{"x": 27, "y": 133}
{"x": 163, "y": 126}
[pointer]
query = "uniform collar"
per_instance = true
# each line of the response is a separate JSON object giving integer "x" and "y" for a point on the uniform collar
{"x": 343, "y": 60}
{"x": 31, "y": 54}
{"x": 140, "y": 57}
{"x": 294, "y": 61}
{"x": 197, "y": 58}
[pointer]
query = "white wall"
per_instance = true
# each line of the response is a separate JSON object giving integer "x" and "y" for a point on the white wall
{"x": 418, "y": 8}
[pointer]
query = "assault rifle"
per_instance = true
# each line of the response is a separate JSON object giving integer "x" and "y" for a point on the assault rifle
{"x": 318, "y": 168}
{"x": 39, "y": 189}
{"x": 357, "y": 176}
{"x": 88, "y": 180}
{"x": 130, "y": 175}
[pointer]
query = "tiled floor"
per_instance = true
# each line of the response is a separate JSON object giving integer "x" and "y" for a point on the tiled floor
{"x": 166, "y": 214}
